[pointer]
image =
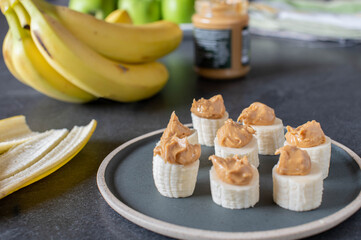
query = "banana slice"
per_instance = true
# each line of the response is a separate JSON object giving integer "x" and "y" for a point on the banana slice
{"x": 207, "y": 128}
{"x": 233, "y": 196}
{"x": 23, "y": 155}
{"x": 56, "y": 158}
{"x": 320, "y": 155}
{"x": 269, "y": 138}
{"x": 298, "y": 193}
{"x": 250, "y": 150}
{"x": 174, "y": 180}
{"x": 193, "y": 138}
{"x": 14, "y": 131}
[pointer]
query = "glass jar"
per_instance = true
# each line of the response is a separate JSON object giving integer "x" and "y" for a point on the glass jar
{"x": 221, "y": 38}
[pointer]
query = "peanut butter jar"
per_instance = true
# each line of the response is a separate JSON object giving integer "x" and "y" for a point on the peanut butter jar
{"x": 221, "y": 38}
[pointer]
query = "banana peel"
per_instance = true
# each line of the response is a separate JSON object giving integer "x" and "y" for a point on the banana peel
{"x": 71, "y": 154}
{"x": 14, "y": 131}
{"x": 58, "y": 156}
{"x": 24, "y": 155}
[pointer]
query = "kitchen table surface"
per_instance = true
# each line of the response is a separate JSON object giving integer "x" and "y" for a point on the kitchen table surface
{"x": 301, "y": 81}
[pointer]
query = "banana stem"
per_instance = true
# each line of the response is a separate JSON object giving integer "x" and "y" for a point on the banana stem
{"x": 4, "y": 4}
{"x": 31, "y": 6}
{"x": 23, "y": 15}
{"x": 14, "y": 24}
{"x": 35, "y": 9}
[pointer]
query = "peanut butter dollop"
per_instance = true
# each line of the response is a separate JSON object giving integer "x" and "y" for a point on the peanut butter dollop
{"x": 257, "y": 114}
{"x": 293, "y": 161}
{"x": 175, "y": 128}
{"x": 234, "y": 135}
{"x": 212, "y": 109}
{"x": 307, "y": 135}
{"x": 233, "y": 170}
{"x": 178, "y": 151}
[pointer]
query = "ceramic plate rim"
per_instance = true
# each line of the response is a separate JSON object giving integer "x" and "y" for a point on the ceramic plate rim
{"x": 177, "y": 231}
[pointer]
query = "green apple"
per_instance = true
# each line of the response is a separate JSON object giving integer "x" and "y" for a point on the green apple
{"x": 141, "y": 11}
{"x": 98, "y": 8}
{"x": 178, "y": 11}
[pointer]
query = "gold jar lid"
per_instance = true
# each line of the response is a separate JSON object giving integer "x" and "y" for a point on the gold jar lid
{"x": 221, "y": 8}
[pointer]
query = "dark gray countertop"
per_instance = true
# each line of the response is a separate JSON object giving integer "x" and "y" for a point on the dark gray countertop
{"x": 301, "y": 81}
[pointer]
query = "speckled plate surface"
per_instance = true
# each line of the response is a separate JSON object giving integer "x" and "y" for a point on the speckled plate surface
{"x": 125, "y": 181}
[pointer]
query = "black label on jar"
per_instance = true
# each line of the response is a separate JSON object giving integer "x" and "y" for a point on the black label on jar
{"x": 212, "y": 48}
{"x": 246, "y": 47}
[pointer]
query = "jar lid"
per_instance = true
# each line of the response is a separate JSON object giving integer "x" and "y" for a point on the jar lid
{"x": 221, "y": 8}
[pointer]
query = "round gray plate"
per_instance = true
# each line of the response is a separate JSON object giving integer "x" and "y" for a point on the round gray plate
{"x": 125, "y": 181}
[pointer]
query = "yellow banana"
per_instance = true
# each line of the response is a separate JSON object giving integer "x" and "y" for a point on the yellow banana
{"x": 7, "y": 48}
{"x": 121, "y": 42}
{"x": 119, "y": 16}
{"x": 31, "y": 67}
{"x": 89, "y": 70}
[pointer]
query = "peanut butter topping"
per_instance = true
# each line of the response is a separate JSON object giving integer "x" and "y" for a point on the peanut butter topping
{"x": 212, "y": 109}
{"x": 307, "y": 135}
{"x": 175, "y": 128}
{"x": 293, "y": 161}
{"x": 233, "y": 170}
{"x": 234, "y": 135}
{"x": 257, "y": 114}
{"x": 178, "y": 151}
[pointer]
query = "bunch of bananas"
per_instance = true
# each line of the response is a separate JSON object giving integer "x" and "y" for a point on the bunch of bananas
{"x": 74, "y": 57}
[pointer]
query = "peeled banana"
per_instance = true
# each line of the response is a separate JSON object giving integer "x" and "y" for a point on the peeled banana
{"x": 33, "y": 69}
{"x": 14, "y": 131}
{"x": 120, "y": 42}
{"x": 87, "y": 69}
{"x": 270, "y": 137}
{"x": 207, "y": 128}
{"x": 298, "y": 193}
{"x": 250, "y": 150}
{"x": 233, "y": 196}
{"x": 174, "y": 180}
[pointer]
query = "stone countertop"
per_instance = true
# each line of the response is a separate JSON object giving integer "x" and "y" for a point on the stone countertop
{"x": 301, "y": 81}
